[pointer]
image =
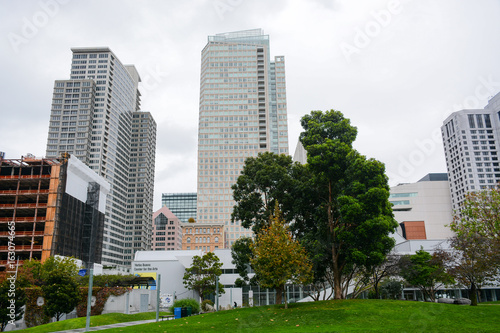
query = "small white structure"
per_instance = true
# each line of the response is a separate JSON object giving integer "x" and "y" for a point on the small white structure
{"x": 172, "y": 266}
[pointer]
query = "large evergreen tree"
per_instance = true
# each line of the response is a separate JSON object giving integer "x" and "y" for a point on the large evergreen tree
{"x": 353, "y": 217}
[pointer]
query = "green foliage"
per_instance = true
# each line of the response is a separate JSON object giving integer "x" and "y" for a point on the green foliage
{"x": 61, "y": 294}
{"x": 476, "y": 259}
{"x": 203, "y": 274}
{"x": 57, "y": 277}
{"x": 278, "y": 259}
{"x": 185, "y": 302}
{"x": 241, "y": 253}
{"x": 12, "y": 299}
{"x": 205, "y": 303}
{"x": 473, "y": 262}
{"x": 101, "y": 297}
{"x": 350, "y": 226}
{"x": 34, "y": 314}
{"x": 105, "y": 280}
{"x": 391, "y": 289}
{"x": 480, "y": 214}
{"x": 265, "y": 180}
{"x": 425, "y": 271}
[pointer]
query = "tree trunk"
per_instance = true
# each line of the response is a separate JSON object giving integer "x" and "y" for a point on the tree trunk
{"x": 279, "y": 294}
{"x": 375, "y": 287}
{"x": 284, "y": 295}
{"x": 473, "y": 294}
{"x": 337, "y": 283}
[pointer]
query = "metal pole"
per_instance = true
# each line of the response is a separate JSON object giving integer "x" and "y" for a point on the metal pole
{"x": 158, "y": 297}
{"x": 89, "y": 299}
{"x": 216, "y": 293}
{"x": 127, "y": 303}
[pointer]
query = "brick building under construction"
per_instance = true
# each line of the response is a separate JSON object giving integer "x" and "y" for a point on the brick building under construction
{"x": 57, "y": 207}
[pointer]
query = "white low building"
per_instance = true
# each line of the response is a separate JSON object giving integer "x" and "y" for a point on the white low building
{"x": 423, "y": 209}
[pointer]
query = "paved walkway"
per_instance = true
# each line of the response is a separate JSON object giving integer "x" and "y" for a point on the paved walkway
{"x": 105, "y": 327}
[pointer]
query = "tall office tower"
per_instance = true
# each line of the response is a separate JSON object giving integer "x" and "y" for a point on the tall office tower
{"x": 95, "y": 116}
{"x": 182, "y": 205}
{"x": 471, "y": 144}
{"x": 242, "y": 113}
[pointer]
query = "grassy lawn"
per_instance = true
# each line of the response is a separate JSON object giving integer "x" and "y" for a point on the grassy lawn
{"x": 106, "y": 319}
{"x": 330, "y": 316}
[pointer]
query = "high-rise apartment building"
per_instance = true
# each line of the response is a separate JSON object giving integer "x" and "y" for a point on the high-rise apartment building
{"x": 242, "y": 112}
{"x": 95, "y": 116}
{"x": 182, "y": 205}
{"x": 471, "y": 144}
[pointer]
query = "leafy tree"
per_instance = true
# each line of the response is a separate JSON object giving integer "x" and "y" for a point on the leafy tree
{"x": 203, "y": 274}
{"x": 265, "y": 180}
{"x": 61, "y": 294}
{"x": 352, "y": 217}
{"x": 12, "y": 300}
{"x": 389, "y": 267}
{"x": 241, "y": 253}
{"x": 278, "y": 259}
{"x": 474, "y": 261}
{"x": 58, "y": 278}
{"x": 391, "y": 289}
{"x": 480, "y": 214}
{"x": 424, "y": 271}
{"x": 476, "y": 256}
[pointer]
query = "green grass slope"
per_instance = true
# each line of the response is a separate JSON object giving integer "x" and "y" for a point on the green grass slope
{"x": 106, "y": 319}
{"x": 337, "y": 316}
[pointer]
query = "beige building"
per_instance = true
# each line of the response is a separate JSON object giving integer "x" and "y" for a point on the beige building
{"x": 423, "y": 209}
{"x": 242, "y": 112}
{"x": 205, "y": 237}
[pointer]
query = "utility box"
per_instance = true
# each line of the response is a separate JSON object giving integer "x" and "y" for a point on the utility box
{"x": 177, "y": 313}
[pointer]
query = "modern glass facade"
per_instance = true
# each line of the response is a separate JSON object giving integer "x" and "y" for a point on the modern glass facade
{"x": 183, "y": 205}
{"x": 95, "y": 116}
{"x": 242, "y": 113}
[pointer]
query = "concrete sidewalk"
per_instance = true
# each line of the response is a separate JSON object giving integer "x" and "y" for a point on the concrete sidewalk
{"x": 117, "y": 325}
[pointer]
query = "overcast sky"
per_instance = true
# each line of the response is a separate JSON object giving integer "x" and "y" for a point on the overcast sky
{"x": 397, "y": 69}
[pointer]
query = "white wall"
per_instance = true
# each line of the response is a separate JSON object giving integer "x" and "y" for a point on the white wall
{"x": 79, "y": 176}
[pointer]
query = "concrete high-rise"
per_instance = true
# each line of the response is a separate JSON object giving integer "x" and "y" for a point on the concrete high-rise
{"x": 95, "y": 116}
{"x": 242, "y": 112}
{"x": 471, "y": 144}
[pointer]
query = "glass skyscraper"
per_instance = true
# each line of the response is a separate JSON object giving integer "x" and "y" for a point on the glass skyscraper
{"x": 182, "y": 205}
{"x": 95, "y": 116}
{"x": 242, "y": 113}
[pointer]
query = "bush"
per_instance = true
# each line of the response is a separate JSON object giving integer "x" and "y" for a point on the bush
{"x": 185, "y": 302}
{"x": 391, "y": 289}
{"x": 204, "y": 304}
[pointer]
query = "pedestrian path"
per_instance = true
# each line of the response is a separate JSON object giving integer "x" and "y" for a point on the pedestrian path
{"x": 105, "y": 327}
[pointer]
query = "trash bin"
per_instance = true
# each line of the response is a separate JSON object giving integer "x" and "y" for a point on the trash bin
{"x": 177, "y": 313}
{"x": 183, "y": 312}
{"x": 189, "y": 311}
